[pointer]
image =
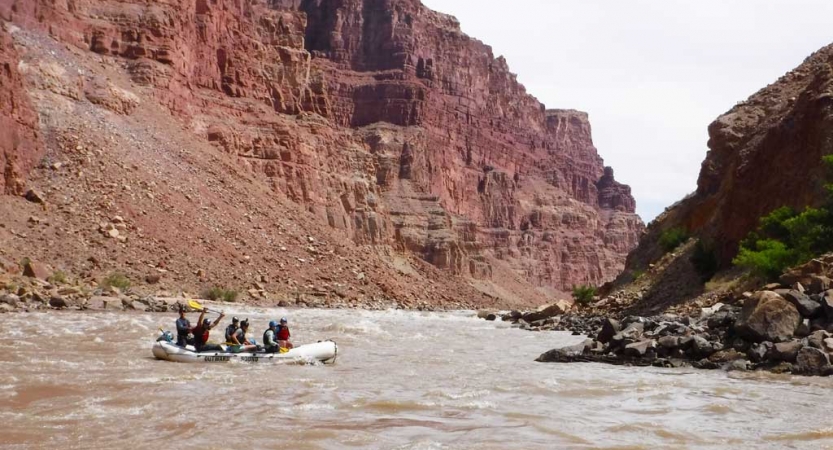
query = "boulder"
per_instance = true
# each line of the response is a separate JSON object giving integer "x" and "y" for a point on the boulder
{"x": 803, "y": 329}
{"x": 566, "y": 354}
{"x": 627, "y": 336}
{"x": 58, "y": 302}
{"x": 545, "y": 312}
{"x": 640, "y": 349}
{"x": 10, "y": 299}
{"x": 816, "y": 340}
{"x": 786, "y": 351}
{"x": 6, "y": 308}
{"x": 722, "y": 319}
{"x": 138, "y": 306}
{"x": 35, "y": 196}
{"x": 827, "y": 304}
{"x": 484, "y": 314}
{"x": 812, "y": 361}
{"x": 818, "y": 284}
{"x": 36, "y": 270}
{"x": 768, "y": 317}
{"x": 805, "y": 305}
{"x": 512, "y": 316}
{"x": 99, "y": 303}
{"x": 609, "y": 329}
{"x": 669, "y": 342}
{"x": 726, "y": 356}
{"x": 758, "y": 352}
{"x": 739, "y": 365}
{"x": 701, "y": 347}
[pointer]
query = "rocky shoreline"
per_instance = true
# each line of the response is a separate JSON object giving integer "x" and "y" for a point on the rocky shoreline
{"x": 41, "y": 289}
{"x": 783, "y": 328}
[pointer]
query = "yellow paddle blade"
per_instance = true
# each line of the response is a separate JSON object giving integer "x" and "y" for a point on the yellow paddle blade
{"x": 284, "y": 350}
{"x": 195, "y": 305}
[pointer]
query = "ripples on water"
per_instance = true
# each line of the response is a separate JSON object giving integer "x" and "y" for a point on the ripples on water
{"x": 402, "y": 381}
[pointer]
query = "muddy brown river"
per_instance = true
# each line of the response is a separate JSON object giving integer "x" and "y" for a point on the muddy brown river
{"x": 402, "y": 381}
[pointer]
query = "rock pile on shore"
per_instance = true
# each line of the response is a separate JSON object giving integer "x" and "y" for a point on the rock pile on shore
{"x": 785, "y": 330}
{"x": 785, "y": 327}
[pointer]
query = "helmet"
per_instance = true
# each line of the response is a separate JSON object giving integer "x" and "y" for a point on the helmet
{"x": 273, "y": 324}
{"x": 283, "y": 320}
{"x": 235, "y": 320}
{"x": 206, "y": 322}
{"x": 244, "y": 323}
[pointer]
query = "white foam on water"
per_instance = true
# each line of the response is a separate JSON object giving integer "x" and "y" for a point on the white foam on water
{"x": 306, "y": 407}
{"x": 466, "y": 395}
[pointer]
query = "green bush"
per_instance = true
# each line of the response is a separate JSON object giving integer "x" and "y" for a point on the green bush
{"x": 116, "y": 280}
{"x": 218, "y": 293}
{"x": 704, "y": 259}
{"x": 672, "y": 238}
{"x": 786, "y": 237}
{"x": 59, "y": 277}
{"x": 583, "y": 295}
{"x": 767, "y": 258}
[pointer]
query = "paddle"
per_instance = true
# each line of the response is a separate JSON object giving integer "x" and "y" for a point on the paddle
{"x": 199, "y": 307}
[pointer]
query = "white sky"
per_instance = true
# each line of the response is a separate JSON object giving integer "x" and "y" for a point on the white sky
{"x": 653, "y": 74}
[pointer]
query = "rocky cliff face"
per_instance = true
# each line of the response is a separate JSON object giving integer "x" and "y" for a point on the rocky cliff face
{"x": 20, "y": 144}
{"x": 380, "y": 117}
{"x": 764, "y": 153}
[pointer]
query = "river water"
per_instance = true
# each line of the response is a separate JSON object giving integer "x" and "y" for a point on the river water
{"x": 402, "y": 381}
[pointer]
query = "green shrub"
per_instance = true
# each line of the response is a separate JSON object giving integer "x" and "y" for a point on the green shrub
{"x": 786, "y": 237}
{"x": 767, "y": 258}
{"x": 672, "y": 238}
{"x": 637, "y": 274}
{"x": 704, "y": 259}
{"x": 116, "y": 280}
{"x": 59, "y": 277}
{"x": 218, "y": 293}
{"x": 583, "y": 295}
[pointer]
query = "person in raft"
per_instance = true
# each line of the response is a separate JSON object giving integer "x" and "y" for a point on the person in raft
{"x": 283, "y": 334}
{"x": 239, "y": 342}
{"x": 231, "y": 329}
{"x": 183, "y": 329}
{"x": 270, "y": 338}
{"x": 201, "y": 332}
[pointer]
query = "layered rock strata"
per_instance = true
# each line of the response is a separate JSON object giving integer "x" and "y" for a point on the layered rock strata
{"x": 380, "y": 117}
{"x": 20, "y": 144}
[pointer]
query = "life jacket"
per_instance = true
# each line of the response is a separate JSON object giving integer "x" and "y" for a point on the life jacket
{"x": 200, "y": 336}
{"x": 266, "y": 339}
{"x": 241, "y": 336}
{"x": 230, "y": 330}
{"x": 283, "y": 333}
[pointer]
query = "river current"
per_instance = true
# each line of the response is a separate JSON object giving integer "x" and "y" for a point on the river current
{"x": 403, "y": 380}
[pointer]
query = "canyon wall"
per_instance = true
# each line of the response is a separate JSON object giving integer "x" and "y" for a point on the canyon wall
{"x": 381, "y": 118}
{"x": 20, "y": 144}
{"x": 764, "y": 153}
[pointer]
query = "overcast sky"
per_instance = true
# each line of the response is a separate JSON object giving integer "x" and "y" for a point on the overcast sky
{"x": 652, "y": 73}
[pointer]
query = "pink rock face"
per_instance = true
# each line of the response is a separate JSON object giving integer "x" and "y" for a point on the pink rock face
{"x": 383, "y": 119}
{"x": 20, "y": 146}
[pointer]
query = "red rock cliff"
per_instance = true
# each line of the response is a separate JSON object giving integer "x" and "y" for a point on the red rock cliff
{"x": 763, "y": 154}
{"x": 383, "y": 119}
{"x": 20, "y": 144}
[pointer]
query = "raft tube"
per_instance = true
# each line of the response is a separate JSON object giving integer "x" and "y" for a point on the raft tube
{"x": 325, "y": 352}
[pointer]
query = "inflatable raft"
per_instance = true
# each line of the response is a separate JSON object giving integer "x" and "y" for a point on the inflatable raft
{"x": 325, "y": 352}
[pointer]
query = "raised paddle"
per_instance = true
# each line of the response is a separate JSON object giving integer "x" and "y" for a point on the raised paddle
{"x": 199, "y": 307}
